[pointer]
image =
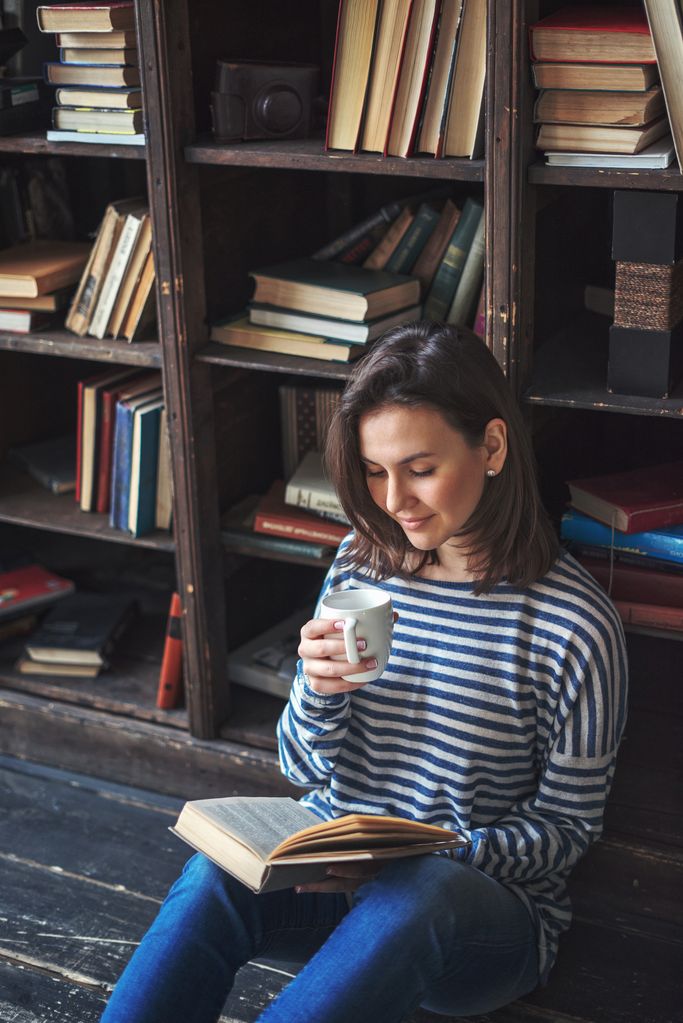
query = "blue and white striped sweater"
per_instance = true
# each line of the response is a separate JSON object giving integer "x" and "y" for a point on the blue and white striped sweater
{"x": 498, "y": 716}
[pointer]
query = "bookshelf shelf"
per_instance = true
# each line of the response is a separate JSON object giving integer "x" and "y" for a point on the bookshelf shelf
{"x": 570, "y": 370}
{"x": 35, "y": 144}
{"x": 128, "y": 687}
{"x": 309, "y": 154}
{"x": 69, "y": 346}
{"x": 223, "y": 355}
{"x": 24, "y": 502}
{"x": 668, "y": 180}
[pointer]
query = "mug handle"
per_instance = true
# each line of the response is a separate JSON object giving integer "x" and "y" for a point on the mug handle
{"x": 350, "y": 641}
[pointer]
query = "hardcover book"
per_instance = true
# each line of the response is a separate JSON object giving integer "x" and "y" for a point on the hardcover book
{"x": 432, "y": 117}
{"x": 665, "y": 18}
{"x": 634, "y": 501}
{"x": 274, "y": 516}
{"x": 82, "y": 629}
{"x": 51, "y": 462}
{"x": 86, "y": 17}
{"x": 327, "y": 328}
{"x": 273, "y": 842}
{"x": 37, "y": 267}
{"x": 600, "y": 33}
{"x": 240, "y": 333}
{"x": 169, "y": 690}
{"x": 447, "y": 276}
{"x": 106, "y": 75}
{"x": 590, "y": 138}
{"x": 610, "y": 77}
{"x": 353, "y": 49}
{"x": 462, "y": 133}
{"x": 309, "y": 488}
{"x": 268, "y": 662}
{"x": 617, "y": 108}
{"x": 665, "y": 544}
{"x": 334, "y": 289}
{"x": 389, "y": 46}
{"x": 413, "y": 77}
{"x": 30, "y": 587}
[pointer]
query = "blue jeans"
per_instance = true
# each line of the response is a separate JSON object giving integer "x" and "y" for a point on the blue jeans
{"x": 426, "y": 931}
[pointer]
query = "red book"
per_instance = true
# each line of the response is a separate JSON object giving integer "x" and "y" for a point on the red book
{"x": 30, "y": 587}
{"x": 170, "y": 688}
{"x": 634, "y": 501}
{"x": 650, "y": 616}
{"x": 592, "y": 35}
{"x": 108, "y": 399}
{"x": 636, "y": 583}
{"x": 273, "y": 516}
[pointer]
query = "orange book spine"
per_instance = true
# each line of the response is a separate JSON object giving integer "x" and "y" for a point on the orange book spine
{"x": 170, "y": 688}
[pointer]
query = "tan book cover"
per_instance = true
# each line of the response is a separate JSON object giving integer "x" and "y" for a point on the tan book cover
{"x": 38, "y": 267}
{"x": 132, "y": 276}
{"x": 140, "y": 310}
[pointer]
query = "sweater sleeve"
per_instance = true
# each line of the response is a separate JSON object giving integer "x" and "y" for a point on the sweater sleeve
{"x": 547, "y": 832}
{"x": 312, "y": 726}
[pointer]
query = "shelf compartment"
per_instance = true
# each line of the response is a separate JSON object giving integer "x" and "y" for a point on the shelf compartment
{"x": 35, "y": 143}
{"x": 667, "y": 180}
{"x": 70, "y": 346}
{"x": 570, "y": 371}
{"x": 25, "y": 502}
{"x": 309, "y": 154}
{"x": 127, "y": 688}
{"x": 225, "y": 355}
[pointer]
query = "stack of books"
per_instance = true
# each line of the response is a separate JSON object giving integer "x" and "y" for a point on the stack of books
{"x": 123, "y": 452}
{"x": 600, "y": 101}
{"x": 626, "y": 528}
{"x": 115, "y": 296}
{"x": 26, "y": 590}
{"x": 409, "y": 77}
{"x": 98, "y": 96}
{"x": 36, "y": 279}
{"x": 321, "y": 310}
{"x": 77, "y": 637}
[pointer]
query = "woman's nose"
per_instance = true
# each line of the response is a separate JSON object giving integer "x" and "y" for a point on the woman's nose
{"x": 398, "y": 496}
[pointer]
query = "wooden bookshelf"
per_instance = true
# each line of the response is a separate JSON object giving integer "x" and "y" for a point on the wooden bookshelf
{"x": 64, "y": 344}
{"x": 666, "y": 180}
{"x": 225, "y": 355}
{"x": 35, "y": 143}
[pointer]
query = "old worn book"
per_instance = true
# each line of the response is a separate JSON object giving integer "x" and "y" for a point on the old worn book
{"x": 268, "y": 661}
{"x": 593, "y": 138}
{"x": 94, "y": 118}
{"x": 141, "y": 310}
{"x": 353, "y": 48}
{"x": 595, "y": 107}
{"x": 432, "y": 118}
{"x": 113, "y": 55}
{"x": 131, "y": 278}
{"x": 413, "y": 76}
{"x": 657, "y": 156}
{"x": 274, "y": 516}
{"x": 29, "y": 588}
{"x": 25, "y": 665}
{"x": 240, "y": 333}
{"x": 52, "y": 462}
{"x": 610, "y": 77}
{"x": 106, "y": 75}
{"x": 664, "y": 544}
{"x": 97, "y": 40}
{"x": 82, "y": 629}
{"x": 121, "y": 252}
{"x": 383, "y": 251}
{"x": 597, "y": 32}
{"x": 109, "y": 99}
{"x": 634, "y": 501}
{"x": 308, "y": 487}
{"x": 327, "y": 328}
{"x": 86, "y": 17}
{"x": 429, "y": 259}
{"x": 463, "y": 131}
{"x": 665, "y": 18}
{"x": 334, "y": 289}
{"x": 384, "y": 71}
{"x": 35, "y": 268}
{"x": 273, "y": 842}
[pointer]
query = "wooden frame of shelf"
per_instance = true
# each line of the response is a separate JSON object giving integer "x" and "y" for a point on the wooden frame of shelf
{"x": 666, "y": 180}
{"x": 63, "y": 343}
{"x": 35, "y": 143}
{"x": 225, "y": 355}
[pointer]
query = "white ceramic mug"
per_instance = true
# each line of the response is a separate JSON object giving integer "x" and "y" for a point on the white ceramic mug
{"x": 367, "y": 615}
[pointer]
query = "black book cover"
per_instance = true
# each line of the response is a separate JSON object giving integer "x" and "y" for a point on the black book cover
{"x": 82, "y": 630}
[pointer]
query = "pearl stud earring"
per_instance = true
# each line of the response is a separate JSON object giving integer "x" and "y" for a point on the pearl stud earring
{"x": 490, "y": 472}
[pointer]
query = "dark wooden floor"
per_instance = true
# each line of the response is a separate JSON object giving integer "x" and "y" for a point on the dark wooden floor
{"x": 85, "y": 864}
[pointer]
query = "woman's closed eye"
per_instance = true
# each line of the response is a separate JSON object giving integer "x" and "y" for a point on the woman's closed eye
{"x": 415, "y": 473}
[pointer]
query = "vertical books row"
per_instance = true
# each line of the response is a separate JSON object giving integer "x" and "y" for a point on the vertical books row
{"x": 122, "y": 450}
{"x": 97, "y": 77}
{"x": 408, "y": 77}
{"x": 115, "y": 295}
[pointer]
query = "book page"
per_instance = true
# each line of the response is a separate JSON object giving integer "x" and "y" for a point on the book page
{"x": 259, "y": 822}
{"x": 363, "y": 831}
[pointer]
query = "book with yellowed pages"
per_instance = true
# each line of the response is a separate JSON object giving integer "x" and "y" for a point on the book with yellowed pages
{"x": 384, "y": 72}
{"x": 240, "y": 333}
{"x": 38, "y": 267}
{"x": 592, "y": 138}
{"x": 94, "y": 17}
{"x": 356, "y": 26}
{"x": 273, "y": 842}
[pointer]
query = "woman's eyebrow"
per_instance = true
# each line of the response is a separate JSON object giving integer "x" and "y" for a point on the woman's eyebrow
{"x": 404, "y": 461}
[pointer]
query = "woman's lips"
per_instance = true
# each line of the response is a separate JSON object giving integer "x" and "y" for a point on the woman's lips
{"x": 414, "y": 523}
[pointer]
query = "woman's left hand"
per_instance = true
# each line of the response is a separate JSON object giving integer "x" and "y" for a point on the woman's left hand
{"x": 343, "y": 877}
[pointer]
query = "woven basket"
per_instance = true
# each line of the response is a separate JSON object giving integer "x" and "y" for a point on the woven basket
{"x": 648, "y": 296}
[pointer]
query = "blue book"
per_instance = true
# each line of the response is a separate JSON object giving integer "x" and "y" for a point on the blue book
{"x": 666, "y": 544}
{"x": 406, "y": 254}
{"x": 142, "y": 488}
{"x": 449, "y": 271}
{"x": 122, "y": 460}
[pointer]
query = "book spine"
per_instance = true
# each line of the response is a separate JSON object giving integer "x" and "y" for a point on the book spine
{"x": 169, "y": 691}
{"x": 110, "y": 285}
{"x": 79, "y": 440}
{"x": 83, "y": 303}
{"x": 466, "y": 291}
{"x": 315, "y": 500}
{"x": 106, "y": 451}
{"x": 450, "y": 269}
{"x": 277, "y": 544}
{"x": 123, "y": 439}
{"x": 582, "y": 529}
{"x": 414, "y": 240}
{"x": 383, "y": 216}
{"x": 147, "y": 477}
{"x": 276, "y": 526}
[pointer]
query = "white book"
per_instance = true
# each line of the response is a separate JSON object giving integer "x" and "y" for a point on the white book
{"x": 309, "y": 488}
{"x": 116, "y": 272}
{"x": 469, "y": 284}
{"x": 655, "y": 157}
{"x": 102, "y": 138}
{"x": 268, "y": 661}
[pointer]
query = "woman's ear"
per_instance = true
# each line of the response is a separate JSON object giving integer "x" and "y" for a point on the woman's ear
{"x": 495, "y": 445}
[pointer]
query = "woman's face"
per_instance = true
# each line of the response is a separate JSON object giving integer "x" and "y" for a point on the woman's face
{"x": 422, "y": 472}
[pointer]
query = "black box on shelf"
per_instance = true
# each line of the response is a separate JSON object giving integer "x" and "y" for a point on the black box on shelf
{"x": 253, "y": 100}
{"x": 644, "y": 362}
{"x": 647, "y": 227}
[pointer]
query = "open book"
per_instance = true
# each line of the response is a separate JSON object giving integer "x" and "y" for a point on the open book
{"x": 272, "y": 842}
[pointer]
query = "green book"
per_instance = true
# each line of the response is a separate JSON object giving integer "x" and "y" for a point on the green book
{"x": 450, "y": 269}
{"x": 334, "y": 289}
{"x": 406, "y": 254}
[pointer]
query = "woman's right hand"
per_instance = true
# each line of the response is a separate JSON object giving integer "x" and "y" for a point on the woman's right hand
{"x": 321, "y": 640}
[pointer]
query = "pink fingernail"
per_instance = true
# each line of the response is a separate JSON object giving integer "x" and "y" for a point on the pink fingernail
{"x": 372, "y": 663}
{"x": 339, "y": 625}
{"x": 361, "y": 644}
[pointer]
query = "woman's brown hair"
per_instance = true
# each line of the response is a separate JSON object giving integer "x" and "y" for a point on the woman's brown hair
{"x": 448, "y": 369}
